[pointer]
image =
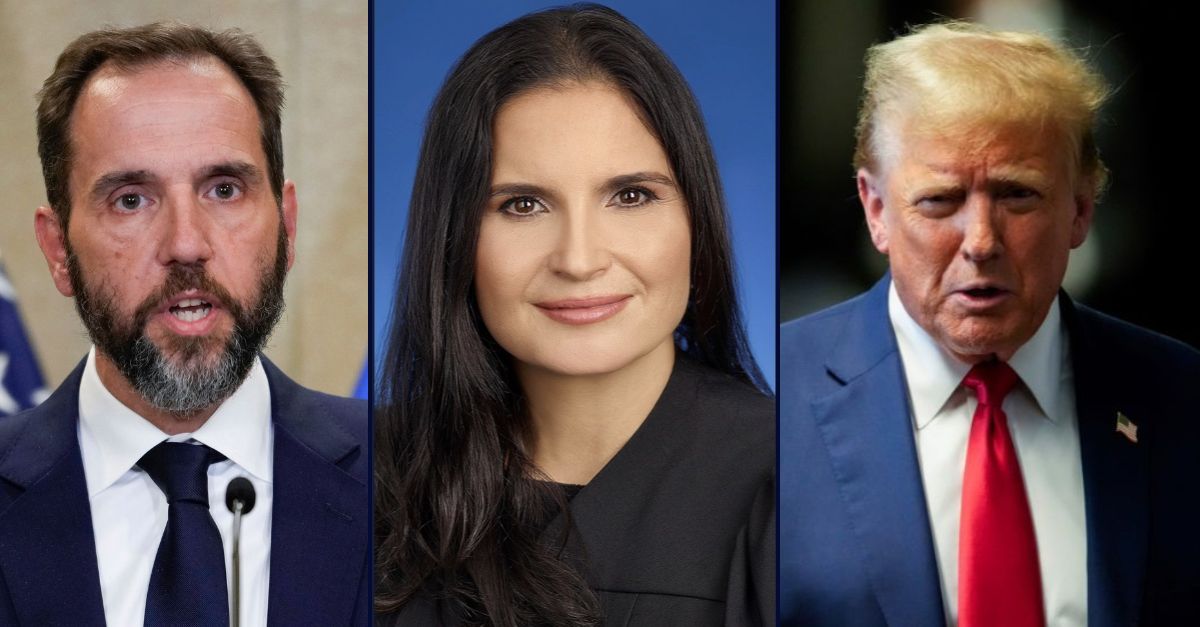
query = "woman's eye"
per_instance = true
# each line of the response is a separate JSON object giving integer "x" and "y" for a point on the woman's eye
{"x": 522, "y": 206}
{"x": 632, "y": 197}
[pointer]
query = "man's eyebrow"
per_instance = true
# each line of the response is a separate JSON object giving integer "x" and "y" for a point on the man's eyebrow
{"x": 238, "y": 169}
{"x": 935, "y": 187}
{"x": 1022, "y": 176}
{"x": 113, "y": 180}
{"x": 248, "y": 172}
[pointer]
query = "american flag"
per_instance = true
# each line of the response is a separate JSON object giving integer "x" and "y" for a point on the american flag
{"x": 21, "y": 383}
{"x": 1126, "y": 427}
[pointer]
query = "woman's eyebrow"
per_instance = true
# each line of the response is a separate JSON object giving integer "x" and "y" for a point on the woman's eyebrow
{"x": 518, "y": 189}
{"x": 614, "y": 183}
{"x": 625, "y": 180}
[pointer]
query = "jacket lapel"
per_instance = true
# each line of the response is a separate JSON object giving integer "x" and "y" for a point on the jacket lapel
{"x": 867, "y": 430}
{"x": 1115, "y": 478}
{"x": 319, "y": 528}
{"x": 47, "y": 549}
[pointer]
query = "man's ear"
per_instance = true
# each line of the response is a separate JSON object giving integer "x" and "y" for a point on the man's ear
{"x": 870, "y": 193}
{"x": 52, "y": 239}
{"x": 289, "y": 219}
{"x": 1085, "y": 210}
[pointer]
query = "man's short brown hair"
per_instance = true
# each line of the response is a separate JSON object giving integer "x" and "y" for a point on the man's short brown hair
{"x": 130, "y": 48}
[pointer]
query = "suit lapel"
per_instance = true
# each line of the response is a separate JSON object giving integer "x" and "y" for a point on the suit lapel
{"x": 865, "y": 425}
{"x": 47, "y": 548}
{"x": 319, "y": 534}
{"x": 1115, "y": 479}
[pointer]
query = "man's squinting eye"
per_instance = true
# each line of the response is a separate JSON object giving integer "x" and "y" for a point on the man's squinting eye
{"x": 938, "y": 204}
{"x": 1017, "y": 192}
{"x": 522, "y": 206}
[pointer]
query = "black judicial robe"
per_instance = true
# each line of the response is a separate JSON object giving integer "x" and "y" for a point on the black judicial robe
{"x": 679, "y": 527}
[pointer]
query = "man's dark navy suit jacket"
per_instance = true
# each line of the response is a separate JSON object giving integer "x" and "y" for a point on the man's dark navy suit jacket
{"x": 320, "y": 557}
{"x": 855, "y": 541}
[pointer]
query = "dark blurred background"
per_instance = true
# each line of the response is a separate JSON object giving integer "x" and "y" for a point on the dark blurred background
{"x": 1139, "y": 262}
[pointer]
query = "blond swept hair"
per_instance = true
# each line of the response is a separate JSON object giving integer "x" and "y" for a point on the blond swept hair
{"x": 950, "y": 77}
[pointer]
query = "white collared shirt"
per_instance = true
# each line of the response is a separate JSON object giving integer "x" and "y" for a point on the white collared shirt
{"x": 129, "y": 512}
{"x": 1045, "y": 433}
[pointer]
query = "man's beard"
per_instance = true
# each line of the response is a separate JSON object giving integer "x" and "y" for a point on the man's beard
{"x": 190, "y": 381}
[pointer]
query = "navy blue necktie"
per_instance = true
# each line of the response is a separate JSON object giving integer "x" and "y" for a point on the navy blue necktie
{"x": 187, "y": 584}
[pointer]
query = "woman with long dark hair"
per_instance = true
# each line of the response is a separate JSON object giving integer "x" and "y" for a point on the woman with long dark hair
{"x": 571, "y": 429}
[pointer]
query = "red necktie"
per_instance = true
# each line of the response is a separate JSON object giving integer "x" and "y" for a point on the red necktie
{"x": 998, "y": 578}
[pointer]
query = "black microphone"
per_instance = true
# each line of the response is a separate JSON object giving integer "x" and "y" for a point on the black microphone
{"x": 239, "y": 498}
{"x": 240, "y": 489}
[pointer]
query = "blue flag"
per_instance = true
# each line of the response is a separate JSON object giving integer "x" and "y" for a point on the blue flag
{"x": 21, "y": 384}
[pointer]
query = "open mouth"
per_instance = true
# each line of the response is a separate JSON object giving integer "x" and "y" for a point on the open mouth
{"x": 190, "y": 309}
{"x": 983, "y": 298}
{"x": 983, "y": 292}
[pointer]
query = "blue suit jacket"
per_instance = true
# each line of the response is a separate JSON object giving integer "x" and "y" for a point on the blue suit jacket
{"x": 855, "y": 540}
{"x": 320, "y": 561}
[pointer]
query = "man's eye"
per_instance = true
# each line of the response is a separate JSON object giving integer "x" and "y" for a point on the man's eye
{"x": 522, "y": 206}
{"x": 226, "y": 191}
{"x": 130, "y": 202}
{"x": 1017, "y": 193}
{"x": 936, "y": 205}
{"x": 1019, "y": 198}
{"x": 937, "y": 199}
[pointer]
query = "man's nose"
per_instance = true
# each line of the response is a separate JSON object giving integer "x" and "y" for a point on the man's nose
{"x": 982, "y": 239}
{"x": 581, "y": 251}
{"x": 186, "y": 231}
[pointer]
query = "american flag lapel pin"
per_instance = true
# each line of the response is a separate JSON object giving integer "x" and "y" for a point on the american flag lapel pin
{"x": 1126, "y": 427}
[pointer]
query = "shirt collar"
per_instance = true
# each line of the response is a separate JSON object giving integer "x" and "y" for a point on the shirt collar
{"x": 933, "y": 375}
{"x": 113, "y": 438}
{"x": 1039, "y": 362}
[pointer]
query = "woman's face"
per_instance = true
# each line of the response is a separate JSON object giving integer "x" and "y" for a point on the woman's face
{"x": 584, "y": 256}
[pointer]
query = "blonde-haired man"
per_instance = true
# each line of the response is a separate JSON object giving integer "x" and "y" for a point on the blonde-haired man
{"x": 963, "y": 444}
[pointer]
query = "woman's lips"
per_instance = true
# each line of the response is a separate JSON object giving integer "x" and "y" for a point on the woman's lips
{"x": 584, "y": 310}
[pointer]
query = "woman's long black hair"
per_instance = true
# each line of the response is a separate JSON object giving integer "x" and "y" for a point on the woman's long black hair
{"x": 458, "y": 509}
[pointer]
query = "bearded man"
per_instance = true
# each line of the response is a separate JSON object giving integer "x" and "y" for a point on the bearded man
{"x": 170, "y": 223}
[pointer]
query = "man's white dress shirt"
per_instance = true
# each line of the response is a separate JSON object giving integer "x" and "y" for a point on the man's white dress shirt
{"x": 1045, "y": 433}
{"x": 129, "y": 511}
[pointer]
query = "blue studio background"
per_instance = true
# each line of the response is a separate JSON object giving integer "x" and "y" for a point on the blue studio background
{"x": 725, "y": 50}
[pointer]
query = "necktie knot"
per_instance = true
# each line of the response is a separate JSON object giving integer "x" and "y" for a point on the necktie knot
{"x": 181, "y": 470}
{"x": 992, "y": 381}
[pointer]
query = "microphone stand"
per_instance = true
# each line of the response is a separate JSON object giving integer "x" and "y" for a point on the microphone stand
{"x": 235, "y": 616}
{"x": 239, "y": 498}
